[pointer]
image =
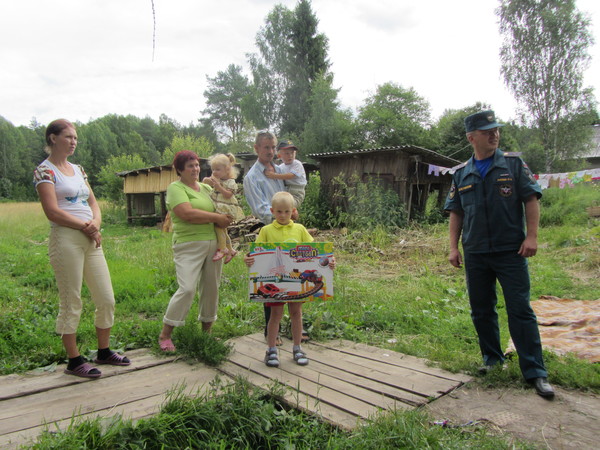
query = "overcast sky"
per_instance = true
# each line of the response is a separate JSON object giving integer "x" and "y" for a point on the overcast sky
{"x": 83, "y": 59}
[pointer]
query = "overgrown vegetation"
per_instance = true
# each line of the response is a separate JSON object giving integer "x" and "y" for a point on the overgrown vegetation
{"x": 355, "y": 205}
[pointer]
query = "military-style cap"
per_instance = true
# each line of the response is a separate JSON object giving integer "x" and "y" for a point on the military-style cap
{"x": 483, "y": 120}
{"x": 285, "y": 145}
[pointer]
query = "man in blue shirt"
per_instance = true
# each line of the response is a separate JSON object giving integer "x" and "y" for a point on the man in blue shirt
{"x": 490, "y": 197}
{"x": 259, "y": 189}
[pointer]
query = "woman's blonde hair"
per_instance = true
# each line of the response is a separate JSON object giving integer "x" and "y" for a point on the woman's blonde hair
{"x": 283, "y": 197}
{"x": 224, "y": 160}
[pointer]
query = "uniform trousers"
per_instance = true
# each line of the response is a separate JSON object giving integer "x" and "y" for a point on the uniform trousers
{"x": 511, "y": 270}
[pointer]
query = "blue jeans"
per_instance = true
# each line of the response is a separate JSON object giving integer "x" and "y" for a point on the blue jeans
{"x": 510, "y": 269}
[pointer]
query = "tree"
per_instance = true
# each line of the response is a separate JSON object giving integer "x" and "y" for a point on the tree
{"x": 449, "y": 132}
{"x": 111, "y": 183}
{"x": 269, "y": 67}
{"x": 226, "y": 96}
{"x": 328, "y": 128}
{"x": 308, "y": 54}
{"x": 201, "y": 146}
{"x": 394, "y": 116}
{"x": 291, "y": 54}
{"x": 13, "y": 164}
{"x": 97, "y": 143}
{"x": 544, "y": 55}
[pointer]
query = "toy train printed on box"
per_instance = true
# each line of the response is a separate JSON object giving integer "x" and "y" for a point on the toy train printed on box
{"x": 279, "y": 269}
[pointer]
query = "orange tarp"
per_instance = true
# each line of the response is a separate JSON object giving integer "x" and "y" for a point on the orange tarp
{"x": 569, "y": 326}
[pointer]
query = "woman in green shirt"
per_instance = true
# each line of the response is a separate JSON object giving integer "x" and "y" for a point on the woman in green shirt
{"x": 194, "y": 243}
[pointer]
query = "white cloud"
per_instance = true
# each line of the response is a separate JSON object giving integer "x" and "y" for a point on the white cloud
{"x": 85, "y": 59}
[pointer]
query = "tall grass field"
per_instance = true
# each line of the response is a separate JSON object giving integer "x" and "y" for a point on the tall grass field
{"x": 393, "y": 289}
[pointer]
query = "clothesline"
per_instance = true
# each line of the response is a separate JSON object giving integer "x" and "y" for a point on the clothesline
{"x": 545, "y": 180}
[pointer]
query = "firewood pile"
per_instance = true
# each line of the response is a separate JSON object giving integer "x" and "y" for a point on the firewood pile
{"x": 244, "y": 230}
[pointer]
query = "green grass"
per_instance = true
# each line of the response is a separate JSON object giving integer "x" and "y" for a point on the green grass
{"x": 393, "y": 290}
{"x": 236, "y": 415}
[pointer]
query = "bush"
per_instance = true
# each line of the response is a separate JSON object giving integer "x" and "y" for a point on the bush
{"x": 315, "y": 208}
{"x": 356, "y": 205}
{"x": 568, "y": 205}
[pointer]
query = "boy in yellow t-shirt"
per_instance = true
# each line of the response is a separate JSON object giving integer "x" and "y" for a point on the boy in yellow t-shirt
{"x": 283, "y": 229}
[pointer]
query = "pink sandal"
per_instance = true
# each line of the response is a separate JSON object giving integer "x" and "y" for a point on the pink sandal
{"x": 114, "y": 360}
{"x": 230, "y": 255}
{"x": 167, "y": 345}
{"x": 84, "y": 370}
{"x": 219, "y": 254}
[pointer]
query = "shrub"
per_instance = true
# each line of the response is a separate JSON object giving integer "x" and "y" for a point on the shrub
{"x": 568, "y": 205}
{"x": 365, "y": 205}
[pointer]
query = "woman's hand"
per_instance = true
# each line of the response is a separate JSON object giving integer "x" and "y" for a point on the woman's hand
{"x": 97, "y": 238}
{"x": 90, "y": 228}
{"x": 223, "y": 220}
{"x": 332, "y": 262}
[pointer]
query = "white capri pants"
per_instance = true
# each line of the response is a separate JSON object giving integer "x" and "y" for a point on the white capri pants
{"x": 196, "y": 271}
{"x": 74, "y": 258}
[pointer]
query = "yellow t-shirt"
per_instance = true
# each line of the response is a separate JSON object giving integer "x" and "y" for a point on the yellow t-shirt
{"x": 292, "y": 232}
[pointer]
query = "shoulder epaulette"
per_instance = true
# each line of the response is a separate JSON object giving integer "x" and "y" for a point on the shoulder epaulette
{"x": 512, "y": 154}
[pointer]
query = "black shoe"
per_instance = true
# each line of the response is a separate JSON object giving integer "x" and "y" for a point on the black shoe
{"x": 542, "y": 387}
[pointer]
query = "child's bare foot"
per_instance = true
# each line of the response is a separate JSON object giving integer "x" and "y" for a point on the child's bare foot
{"x": 219, "y": 254}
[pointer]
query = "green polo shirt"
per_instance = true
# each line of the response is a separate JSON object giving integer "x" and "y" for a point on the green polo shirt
{"x": 493, "y": 205}
{"x": 178, "y": 193}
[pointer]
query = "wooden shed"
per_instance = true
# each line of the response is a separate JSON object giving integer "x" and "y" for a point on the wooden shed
{"x": 142, "y": 186}
{"x": 146, "y": 188}
{"x": 412, "y": 172}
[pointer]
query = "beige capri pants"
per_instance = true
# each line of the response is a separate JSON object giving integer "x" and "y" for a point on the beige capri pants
{"x": 74, "y": 258}
{"x": 196, "y": 271}
{"x": 298, "y": 192}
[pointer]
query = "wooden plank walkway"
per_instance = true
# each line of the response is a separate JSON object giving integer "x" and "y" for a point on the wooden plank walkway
{"x": 343, "y": 384}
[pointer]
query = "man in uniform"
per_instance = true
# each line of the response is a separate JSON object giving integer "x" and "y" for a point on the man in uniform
{"x": 491, "y": 195}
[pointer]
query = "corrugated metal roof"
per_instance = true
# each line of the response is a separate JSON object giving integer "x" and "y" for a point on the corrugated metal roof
{"x": 428, "y": 155}
{"x": 146, "y": 170}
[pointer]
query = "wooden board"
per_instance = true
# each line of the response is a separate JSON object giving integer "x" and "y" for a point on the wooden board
{"x": 344, "y": 384}
{"x": 134, "y": 392}
{"x": 349, "y": 382}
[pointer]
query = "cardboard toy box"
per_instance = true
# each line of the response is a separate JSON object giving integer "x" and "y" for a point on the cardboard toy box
{"x": 290, "y": 272}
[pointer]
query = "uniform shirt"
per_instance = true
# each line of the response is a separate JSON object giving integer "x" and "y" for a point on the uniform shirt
{"x": 72, "y": 193}
{"x": 292, "y": 232}
{"x": 178, "y": 193}
{"x": 259, "y": 191}
{"x": 493, "y": 206}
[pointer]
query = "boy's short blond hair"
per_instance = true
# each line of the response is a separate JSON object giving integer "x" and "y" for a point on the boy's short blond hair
{"x": 283, "y": 197}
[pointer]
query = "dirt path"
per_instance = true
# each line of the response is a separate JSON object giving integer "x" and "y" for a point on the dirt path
{"x": 571, "y": 420}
